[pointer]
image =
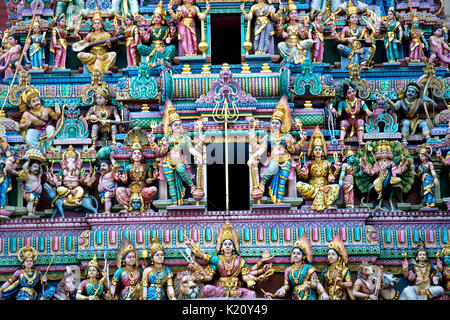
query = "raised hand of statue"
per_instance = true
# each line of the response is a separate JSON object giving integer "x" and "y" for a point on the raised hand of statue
{"x": 405, "y": 264}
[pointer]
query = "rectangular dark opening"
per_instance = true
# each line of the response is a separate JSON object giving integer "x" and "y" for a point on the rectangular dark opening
{"x": 225, "y": 38}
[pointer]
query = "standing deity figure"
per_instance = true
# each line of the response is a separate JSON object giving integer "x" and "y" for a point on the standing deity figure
{"x": 125, "y": 283}
{"x": 354, "y": 35}
{"x": 171, "y": 147}
{"x": 132, "y": 38}
{"x": 263, "y": 29}
{"x": 316, "y": 32}
{"x": 35, "y": 123}
{"x": 157, "y": 279}
{"x": 98, "y": 56}
{"x": 93, "y": 288}
{"x": 35, "y": 46}
{"x": 7, "y": 168}
{"x": 11, "y": 57}
{"x": 417, "y": 41}
{"x": 409, "y": 105}
{"x": 393, "y": 36}
{"x": 346, "y": 181}
{"x": 58, "y": 42}
{"x": 160, "y": 35}
{"x": 103, "y": 116}
{"x": 336, "y": 277}
{"x": 281, "y": 146}
{"x": 137, "y": 196}
{"x": 424, "y": 275}
{"x": 185, "y": 15}
{"x": 25, "y": 283}
{"x": 327, "y": 7}
{"x": 31, "y": 174}
{"x": 70, "y": 8}
{"x": 107, "y": 183}
{"x": 440, "y": 50}
{"x": 293, "y": 49}
{"x": 229, "y": 265}
{"x": 124, "y": 7}
{"x": 369, "y": 282}
{"x": 70, "y": 178}
{"x": 352, "y": 107}
{"x": 301, "y": 276}
{"x": 444, "y": 268}
{"x": 428, "y": 177}
{"x": 319, "y": 173}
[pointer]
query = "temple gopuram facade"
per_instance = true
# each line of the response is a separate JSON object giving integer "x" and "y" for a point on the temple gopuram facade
{"x": 269, "y": 149}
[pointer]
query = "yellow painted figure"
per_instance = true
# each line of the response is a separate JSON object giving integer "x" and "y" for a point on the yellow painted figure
{"x": 319, "y": 174}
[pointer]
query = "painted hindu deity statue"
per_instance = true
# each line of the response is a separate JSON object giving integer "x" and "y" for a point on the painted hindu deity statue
{"x": 417, "y": 41}
{"x": 424, "y": 275}
{"x": 160, "y": 35}
{"x": 353, "y": 37}
{"x": 70, "y": 178}
{"x": 31, "y": 175}
{"x": 98, "y": 56}
{"x": 351, "y": 108}
{"x": 445, "y": 270}
{"x": 35, "y": 123}
{"x": 58, "y": 42}
{"x": 35, "y": 46}
{"x": 346, "y": 181}
{"x": 316, "y": 33}
{"x": 11, "y": 57}
{"x": 369, "y": 282}
{"x": 138, "y": 174}
{"x": 393, "y": 36}
{"x": 157, "y": 279}
{"x": 336, "y": 277}
{"x": 281, "y": 146}
{"x": 93, "y": 287}
{"x": 301, "y": 276}
{"x": 293, "y": 49}
{"x": 185, "y": 15}
{"x": 325, "y": 6}
{"x": 440, "y": 50}
{"x": 132, "y": 39}
{"x": 125, "y": 283}
{"x": 103, "y": 116}
{"x": 319, "y": 173}
{"x": 428, "y": 177}
{"x": 263, "y": 29}
{"x": 232, "y": 268}
{"x": 174, "y": 167}
{"x": 25, "y": 283}
{"x": 107, "y": 183}
{"x": 7, "y": 168}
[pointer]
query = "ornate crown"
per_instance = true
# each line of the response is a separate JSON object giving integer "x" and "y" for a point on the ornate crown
{"x": 97, "y": 15}
{"x": 227, "y": 232}
{"x": 27, "y": 252}
{"x": 155, "y": 246}
{"x": 35, "y": 154}
{"x": 93, "y": 263}
{"x": 170, "y": 113}
{"x": 424, "y": 150}
{"x": 282, "y": 113}
{"x": 383, "y": 146}
{"x": 126, "y": 247}
{"x": 317, "y": 139}
{"x": 30, "y": 93}
{"x": 304, "y": 244}
{"x": 291, "y": 6}
{"x": 160, "y": 10}
{"x": 103, "y": 90}
{"x": 70, "y": 153}
{"x": 446, "y": 250}
{"x": 36, "y": 23}
{"x": 136, "y": 144}
{"x": 351, "y": 9}
{"x": 338, "y": 245}
{"x": 347, "y": 152}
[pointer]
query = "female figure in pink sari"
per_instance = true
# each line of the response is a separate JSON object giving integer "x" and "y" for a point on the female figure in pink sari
{"x": 185, "y": 15}
{"x": 316, "y": 32}
{"x": 440, "y": 50}
{"x": 229, "y": 265}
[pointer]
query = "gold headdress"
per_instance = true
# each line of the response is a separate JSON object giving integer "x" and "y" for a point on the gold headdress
{"x": 338, "y": 245}
{"x": 136, "y": 139}
{"x": 126, "y": 247}
{"x": 347, "y": 152}
{"x": 383, "y": 145}
{"x": 291, "y": 6}
{"x": 446, "y": 250}
{"x": 304, "y": 244}
{"x": 424, "y": 150}
{"x": 351, "y": 9}
{"x": 227, "y": 232}
{"x": 61, "y": 16}
{"x": 415, "y": 18}
{"x": 93, "y": 263}
{"x": 160, "y": 10}
{"x": 283, "y": 113}
{"x": 317, "y": 139}
{"x": 155, "y": 246}
{"x": 170, "y": 116}
{"x": 70, "y": 153}
{"x": 27, "y": 252}
{"x": 97, "y": 15}
{"x": 34, "y": 154}
{"x": 30, "y": 93}
{"x": 36, "y": 23}
{"x": 136, "y": 144}
{"x": 103, "y": 90}
{"x": 136, "y": 193}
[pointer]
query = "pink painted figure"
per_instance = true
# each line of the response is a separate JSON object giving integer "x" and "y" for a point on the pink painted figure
{"x": 185, "y": 15}
{"x": 107, "y": 183}
{"x": 133, "y": 39}
{"x": 12, "y": 56}
{"x": 58, "y": 42}
{"x": 316, "y": 32}
{"x": 440, "y": 50}
{"x": 229, "y": 265}
{"x": 417, "y": 41}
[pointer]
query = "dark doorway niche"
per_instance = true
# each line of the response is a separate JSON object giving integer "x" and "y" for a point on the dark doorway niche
{"x": 225, "y": 38}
